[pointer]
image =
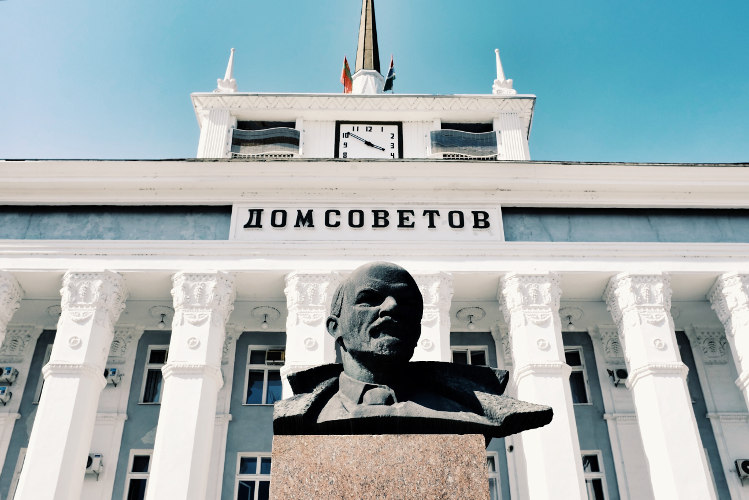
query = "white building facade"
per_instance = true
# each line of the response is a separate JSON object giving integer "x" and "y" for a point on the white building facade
{"x": 616, "y": 293}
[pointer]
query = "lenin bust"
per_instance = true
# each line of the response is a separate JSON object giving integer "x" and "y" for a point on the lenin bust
{"x": 375, "y": 319}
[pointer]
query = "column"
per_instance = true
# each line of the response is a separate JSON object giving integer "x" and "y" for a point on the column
{"x": 729, "y": 298}
{"x": 513, "y": 138}
{"x": 641, "y": 308}
{"x": 192, "y": 378}
{"x": 215, "y": 126}
{"x": 530, "y": 304}
{"x": 10, "y": 300}
{"x": 437, "y": 292}
{"x": 73, "y": 379}
{"x": 308, "y": 343}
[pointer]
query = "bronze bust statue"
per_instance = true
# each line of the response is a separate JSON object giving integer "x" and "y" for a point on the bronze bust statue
{"x": 376, "y": 320}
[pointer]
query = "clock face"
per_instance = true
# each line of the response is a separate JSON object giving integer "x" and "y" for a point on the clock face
{"x": 368, "y": 140}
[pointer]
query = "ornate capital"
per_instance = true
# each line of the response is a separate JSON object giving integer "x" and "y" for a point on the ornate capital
{"x": 19, "y": 341}
{"x": 649, "y": 295}
{"x": 308, "y": 295}
{"x": 11, "y": 294}
{"x": 536, "y": 296}
{"x": 437, "y": 292}
{"x": 712, "y": 345}
{"x": 232, "y": 334}
{"x": 200, "y": 297}
{"x": 502, "y": 338}
{"x": 613, "y": 346}
{"x": 729, "y": 295}
{"x": 84, "y": 294}
{"x": 124, "y": 336}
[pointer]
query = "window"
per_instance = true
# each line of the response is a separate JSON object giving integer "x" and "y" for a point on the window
{"x": 263, "y": 381}
{"x": 138, "y": 468}
{"x": 253, "y": 477}
{"x": 40, "y": 383}
{"x": 153, "y": 386}
{"x": 595, "y": 480}
{"x": 492, "y": 464}
{"x": 470, "y": 356}
{"x": 578, "y": 377}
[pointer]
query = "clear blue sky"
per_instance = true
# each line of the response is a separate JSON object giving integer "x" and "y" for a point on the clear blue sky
{"x": 641, "y": 80}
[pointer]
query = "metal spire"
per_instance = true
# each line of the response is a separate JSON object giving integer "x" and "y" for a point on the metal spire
{"x": 367, "y": 52}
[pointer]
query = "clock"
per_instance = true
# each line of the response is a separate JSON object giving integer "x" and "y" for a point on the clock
{"x": 368, "y": 140}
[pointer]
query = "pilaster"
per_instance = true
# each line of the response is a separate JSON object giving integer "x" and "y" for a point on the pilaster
{"x": 640, "y": 305}
{"x": 530, "y": 304}
{"x": 11, "y": 294}
{"x": 55, "y": 462}
{"x": 729, "y": 298}
{"x": 308, "y": 297}
{"x": 215, "y": 138}
{"x": 437, "y": 292}
{"x": 513, "y": 140}
{"x": 192, "y": 379}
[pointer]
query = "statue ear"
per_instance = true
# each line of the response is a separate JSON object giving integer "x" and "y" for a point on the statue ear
{"x": 332, "y": 325}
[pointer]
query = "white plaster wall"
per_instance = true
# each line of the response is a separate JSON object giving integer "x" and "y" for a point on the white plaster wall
{"x": 318, "y": 138}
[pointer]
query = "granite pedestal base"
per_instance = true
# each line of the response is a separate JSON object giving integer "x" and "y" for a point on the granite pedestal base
{"x": 417, "y": 466}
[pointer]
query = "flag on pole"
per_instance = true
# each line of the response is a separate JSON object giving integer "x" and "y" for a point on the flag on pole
{"x": 390, "y": 78}
{"x": 346, "y": 80}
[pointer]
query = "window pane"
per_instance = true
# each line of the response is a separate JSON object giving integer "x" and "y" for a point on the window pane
{"x": 577, "y": 384}
{"x": 573, "y": 358}
{"x": 254, "y": 387}
{"x": 460, "y": 357}
{"x": 590, "y": 463}
{"x": 140, "y": 463}
{"x": 275, "y": 356}
{"x": 157, "y": 356}
{"x": 490, "y": 464}
{"x": 478, "y": 358}
{"x": 274, "y": 387}
{"x": 246, "y": 490}
{"x": 152, "y": 391}
{"x": 265, "y": 465}
{"x": 248, "y": 465}
{"x": 595, "y": 489}
{"x": 257, "y": 357}
{"x": 263, "y": 491}
{"x": 493, "y": 489}
{"x": 137, "y": 489}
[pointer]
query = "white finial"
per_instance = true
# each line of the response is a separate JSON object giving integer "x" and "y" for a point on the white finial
{"x": 501, "y": 85}
{"x": 228, "y": 84}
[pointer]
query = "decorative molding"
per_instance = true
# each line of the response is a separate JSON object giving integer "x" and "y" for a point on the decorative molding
{"x": 68, "y": 370}
{"x": 223, "y": 418}
{"x": 535, "y": 296}
{"x": 712, "y": 343}
{"x": 502, "y": 338}
{"x": 200, "y": 297}
{"x": 233, "y": 332}
{"x": 623, "y": 418}
{"x": 19, "y": 343}
{"x": 85, "y": 294}
{"x": 437, "y": 293}
{"x": 730, "y": 417}
{"x": 552, "y": 368}
{"x": 308, "y": 296}
{"x": 678, "y": 369}
{"x": 11, "y": 294}
{"x": 649, "y": 295}
{"x": 110, "y": 418}
{"x": 192, "y": 370}
{"x": 729, "y": 296}
{"x": 612, "y": 344}
{"x": 124, "y": 337}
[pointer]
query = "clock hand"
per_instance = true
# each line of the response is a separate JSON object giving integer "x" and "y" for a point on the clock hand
{"x": 366, "y": 142}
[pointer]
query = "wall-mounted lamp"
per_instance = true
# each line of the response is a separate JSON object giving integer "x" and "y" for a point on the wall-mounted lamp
{"x": 569, "y": 315}
{"x": 470, "y": 315}
{"x": 162, "y": 313}
{"x": 617, "y": 375}
{"x": 267, "y": 314}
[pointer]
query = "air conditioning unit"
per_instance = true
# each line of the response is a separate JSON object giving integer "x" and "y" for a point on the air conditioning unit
{"x": 742, "y": 468}
{"x": 275, "y": 356}
{"x": 94, "y": 464}
{"x": 5, "y": 395}
{"x": 113, "y": 376}
{"x": 8, "y": 375}
{"x": 618, "y": 375}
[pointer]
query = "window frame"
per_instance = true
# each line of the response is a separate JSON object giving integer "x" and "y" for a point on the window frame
{"x": 468, "y": 349}
{"x": 152, "y": 366}
{"x": 137, "y": 475}
{"x": 40, "y": 382}
{"x": 579, "y": 369}
{"x": 257, "y": 477}
{"x": 601, "y": 474}
{"x": 494, "y": 475}
{"x": 265, "y": 368}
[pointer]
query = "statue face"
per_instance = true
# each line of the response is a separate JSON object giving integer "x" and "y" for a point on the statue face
{"x": 380, "y": 320}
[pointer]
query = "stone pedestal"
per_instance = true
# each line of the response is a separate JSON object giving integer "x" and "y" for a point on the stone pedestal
{"x": 381, "y": 466}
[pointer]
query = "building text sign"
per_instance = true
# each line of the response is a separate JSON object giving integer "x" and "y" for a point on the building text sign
{"x": 270, "y": 222}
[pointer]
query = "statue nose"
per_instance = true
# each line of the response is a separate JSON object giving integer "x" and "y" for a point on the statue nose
{"x": 387, "y": 305}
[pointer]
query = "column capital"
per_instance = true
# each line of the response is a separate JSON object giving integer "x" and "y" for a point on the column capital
{"x": 123, "y": 338}
{"x": 18, "y": 339}
{"x": 729, "y": 295}
{"x": 537, "y": 296}
{"x": 711, "y": 343}
{"x": 308, "y": 295}
{"x": 501, "y": 336}
{"x": 198, "y": 295}
{"x": 86, "y": 293}
{"x": 649, "y": 295}
{"x": 11, "y": 294}
{"x": 436, "y": 289}
{"x": 613, "y": 348}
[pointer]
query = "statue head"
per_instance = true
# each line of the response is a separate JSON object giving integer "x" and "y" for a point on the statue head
{"x": 375, "y": 317}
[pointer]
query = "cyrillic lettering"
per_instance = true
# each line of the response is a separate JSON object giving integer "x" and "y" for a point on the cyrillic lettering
{"x": 481, "y": 220}
{"x": 451, "y": 219}
{"x": 274, "y": 222}
{"x": 431, "y": 214}
{"x": 359, "y": 214}
{"x": 255, "y": 220}
{"x": 380, "y": 218}
{"x": 404, "y": 218}
{"x": 328, "y": 222}
{"x": 304, "y": 220}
